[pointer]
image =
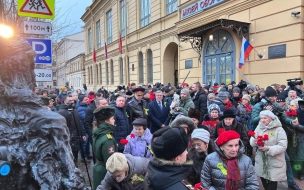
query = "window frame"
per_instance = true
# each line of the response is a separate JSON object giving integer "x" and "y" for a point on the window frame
{"x": 123, "y": 19}
{"x": 140, "y": 68}
{"x": 171, "y": 4}
{"x": 150, "y": 66}
{"x": 90, "y": 40}
{"x": 98, "y": 35}
{"x": 109, "y": 27}
{"x": 145, "y": 15}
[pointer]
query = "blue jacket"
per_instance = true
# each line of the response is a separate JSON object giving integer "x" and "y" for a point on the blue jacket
{"x": 158, "y": 117}
{"x": 122, "y": 129}
{"x": 81, "y": 109}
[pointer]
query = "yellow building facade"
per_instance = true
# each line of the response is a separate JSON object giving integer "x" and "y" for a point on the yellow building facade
{"x": 168, "y": 38}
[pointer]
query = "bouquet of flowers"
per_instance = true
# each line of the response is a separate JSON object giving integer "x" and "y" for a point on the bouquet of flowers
{"x": 199, "y": 186}
{"x": 228, "y": 105}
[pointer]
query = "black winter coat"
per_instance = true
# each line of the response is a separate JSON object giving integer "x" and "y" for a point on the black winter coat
{"x": 236, "y": 126}
{"x": 136, "y": 110}
{"x": 122, "y": 129}
{"x": 166, "y": 175}
{"x": 88, "y": 120}
{"x": 194, "y": 173}
{"x": 74, "y": 128}
{"x": 200, "y": 102}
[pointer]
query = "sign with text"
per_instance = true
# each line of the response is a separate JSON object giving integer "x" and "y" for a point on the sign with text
{"x": 37, "y": 8}
{"x": 40, "y": 28}
{"x": 43, "y": 49}
{"x": 199, "y": 7}
{"x": 44, "y": 75}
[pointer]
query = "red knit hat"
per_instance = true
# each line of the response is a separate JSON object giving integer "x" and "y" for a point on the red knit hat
{"x": 227, "y": 136}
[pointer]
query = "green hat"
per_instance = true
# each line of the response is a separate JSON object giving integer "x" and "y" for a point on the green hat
{"x": 104, "y": 113}
{"x": 45, "y": 100}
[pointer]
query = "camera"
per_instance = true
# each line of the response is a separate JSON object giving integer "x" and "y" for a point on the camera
{"x": 242, "y": 84}
{"x": 276, "y": 109}
{"x": 294, "y": 82}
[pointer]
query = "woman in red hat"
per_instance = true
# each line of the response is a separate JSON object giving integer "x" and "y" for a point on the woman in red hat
{"x": 228, "y": 167}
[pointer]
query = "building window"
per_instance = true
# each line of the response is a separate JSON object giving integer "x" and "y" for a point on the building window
{"x": 107, "y": 73}
{"x": 90, "y": 39}
{"x": 150, "y": 66}
{"x": 128, "y": 69}
{"x": 97, "y": 73}
{"x": 112, "y": 73}
{"x": 141, "y": 67}
{"x": 100, "y": 72}
{"x": 121, "y": 69}
{"x": 89, "y": 74}
{"x": 123, "y": 17}
{"x": 144, "y": 12}
{"x": 109, "y": 27}
{"x": 98, "y": 37}
{"x": 91, "y": 71}
{"x": 171, "y": 6}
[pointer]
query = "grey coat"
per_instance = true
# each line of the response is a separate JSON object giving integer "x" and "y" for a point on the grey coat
{"x": 137, "y": 167}
{"x": 212, "y": 177}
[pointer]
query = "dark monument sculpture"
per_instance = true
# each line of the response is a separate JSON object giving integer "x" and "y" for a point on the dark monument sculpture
{"x": 33, "y": 139}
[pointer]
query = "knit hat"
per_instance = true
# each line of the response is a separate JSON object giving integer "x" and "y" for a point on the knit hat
{"x": 212, "y": 107}
{"x": 168, "y": 143}
{"x": 81, "y": 97}
{"x": 140, "y": 122}
{"x": 236, "y": 89}
{"x": 267, "y": 113}
{"x": 250, "y": 88}
{"x": 211, "y": 95}
{"x": 222, "y": 90}
{"x": 281, "y": 98}
{"x": 194, "y": 113}
{"x": 227, "y": 136}
{"x": 246, "y": 97}
{"x": 129, "y": 93}
{"x": 270, "y": 92}
{"x": 117, "y": 162}
{"x": 185, "y": 91}
{"x": 183, "y": 120}
{"x": 228, "y": 114}
{"x": 104, "y": 113}
{"x": 201, "y": 134}
{"x": 222, "y": 96}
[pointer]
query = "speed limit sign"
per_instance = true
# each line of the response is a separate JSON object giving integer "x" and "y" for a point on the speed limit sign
{"x": 44, "y": 75}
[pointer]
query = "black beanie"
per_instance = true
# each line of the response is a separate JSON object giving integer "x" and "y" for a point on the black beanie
{"x": 81, "y": 97}
{"x": 269, "y": 92}
{"x": 281, "y": 98}
{"x": 168, "y": 143}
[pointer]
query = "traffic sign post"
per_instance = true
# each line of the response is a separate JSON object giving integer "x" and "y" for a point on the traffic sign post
{"x": 37, "y": 8}
{"x": 44, "y": 75}
{"x": 40, "y": 28}
{"x": 43, "y": 49}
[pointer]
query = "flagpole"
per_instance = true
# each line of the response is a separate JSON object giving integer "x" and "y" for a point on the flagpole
{"x": 93, "y": 46}
{"x": 240, "y": 72}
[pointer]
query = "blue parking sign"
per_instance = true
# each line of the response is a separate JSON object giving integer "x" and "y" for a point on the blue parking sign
{"x": 43, "y": 49}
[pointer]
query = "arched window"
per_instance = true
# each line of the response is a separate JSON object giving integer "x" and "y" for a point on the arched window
{"x": 150, "y": 66}
{"x": 121, "y": 70}
{"x": 100, "y": 72}
{"x": 112, "y": 72}
{"x": 89, "y": 74}
{"x": 141, "y": 67}
{"x": 107, "y": 73}
{"x": 97, "y": 73}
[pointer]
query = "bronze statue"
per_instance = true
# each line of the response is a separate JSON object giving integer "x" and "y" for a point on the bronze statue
{"x": 33, "y": 139}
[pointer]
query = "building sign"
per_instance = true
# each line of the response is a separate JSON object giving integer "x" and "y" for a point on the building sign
{"x": 44, "y": 75}
{"x": 199, "y": 7}
{"x": 43, "y": 49}
{"x": 41, "y": 28}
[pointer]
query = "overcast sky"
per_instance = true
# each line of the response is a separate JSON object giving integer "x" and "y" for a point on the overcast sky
{"x": 68, "y": 14}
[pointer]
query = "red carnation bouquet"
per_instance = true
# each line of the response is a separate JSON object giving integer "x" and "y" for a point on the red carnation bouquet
{"x": 132, "y": 136}
{"x": 210, "y": 123}
{"x": 291, "y": 113}
{"x": 248, "y": 108}
{"x": 199, "y": 186}
{"x": 124, "y": 141}
{"x": 228, "y": 105}
{"x": 240, "y": 101}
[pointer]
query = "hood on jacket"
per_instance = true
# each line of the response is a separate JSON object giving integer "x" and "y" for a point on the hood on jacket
{"x": 103, "y": 129}
{"x": 221, "y": 153}
{"x": 172, "y": 172}
{"x": 180, "y": 119}
{"x": 273, "y": 124}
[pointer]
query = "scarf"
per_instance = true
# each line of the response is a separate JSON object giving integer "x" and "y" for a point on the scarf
{"x": 233, "y": 173}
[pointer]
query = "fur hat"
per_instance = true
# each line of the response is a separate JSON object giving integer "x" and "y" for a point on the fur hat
{"x": 228, "y": 114}
{"x": 269, "y": 92}
{"x": 183, "y": 120}
{"x": 246, "y": 97}
{"x": 194, "y": 113}
{"x": 227, "y": 136}
{"x": 212, "y": 107}
{"x": 117, "y": 162}
{"x": 140, "y": 122}
{"x": 104, "y": 113}
{"x": 168, "y": 143}
{"x": 201, "y": 134}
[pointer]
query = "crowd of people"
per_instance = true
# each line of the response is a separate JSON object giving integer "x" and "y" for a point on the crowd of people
{"x": 187, "y": 136}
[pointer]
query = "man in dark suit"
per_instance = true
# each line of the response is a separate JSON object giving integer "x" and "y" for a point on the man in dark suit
{"x": 159, "y": 112}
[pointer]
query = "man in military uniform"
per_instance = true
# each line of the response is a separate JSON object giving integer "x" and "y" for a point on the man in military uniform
{"x": 104, "y": 144}
{"x": 137, "y": 107}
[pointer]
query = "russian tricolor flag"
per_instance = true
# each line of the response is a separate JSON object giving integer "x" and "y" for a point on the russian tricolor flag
{"x": 245, "y": 51}
{"x": 105, "y": 51}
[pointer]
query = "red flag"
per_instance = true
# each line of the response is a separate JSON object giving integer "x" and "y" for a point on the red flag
{"x": 120, "y": 44}
{"x": 94, "y": 55}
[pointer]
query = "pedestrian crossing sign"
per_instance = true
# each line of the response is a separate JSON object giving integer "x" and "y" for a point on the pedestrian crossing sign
{"x": 37, "y": 8}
